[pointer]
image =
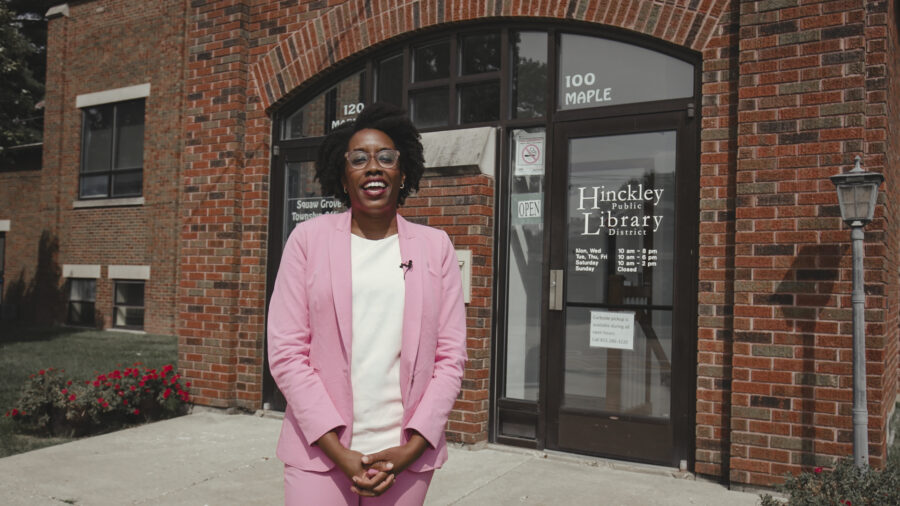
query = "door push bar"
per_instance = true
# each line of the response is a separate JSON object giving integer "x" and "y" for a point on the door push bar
{"x": 556, "y": 289}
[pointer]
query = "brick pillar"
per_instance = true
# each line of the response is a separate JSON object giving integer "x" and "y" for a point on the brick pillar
{"x": 718, "y": 153}
{"x": 211, "y": 217}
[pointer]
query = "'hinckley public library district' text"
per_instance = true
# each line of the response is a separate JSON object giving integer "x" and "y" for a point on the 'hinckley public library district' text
{"x": 602, "y": 208}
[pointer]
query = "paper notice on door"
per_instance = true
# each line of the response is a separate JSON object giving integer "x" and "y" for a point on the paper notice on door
{"x": 612, "y": 330}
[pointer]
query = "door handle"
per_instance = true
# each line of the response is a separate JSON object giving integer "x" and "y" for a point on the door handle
{"x": 556, "y": 289}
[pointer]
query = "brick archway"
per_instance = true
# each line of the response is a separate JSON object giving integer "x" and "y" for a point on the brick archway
{"x": 346, "y": 29}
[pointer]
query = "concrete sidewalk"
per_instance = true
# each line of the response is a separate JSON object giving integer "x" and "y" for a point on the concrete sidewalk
{"x": 211, "y": 458}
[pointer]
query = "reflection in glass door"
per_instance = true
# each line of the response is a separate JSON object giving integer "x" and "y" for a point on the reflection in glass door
{"x": 614, "y": 361}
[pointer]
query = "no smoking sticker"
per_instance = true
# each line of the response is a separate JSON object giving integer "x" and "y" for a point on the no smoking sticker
{"x": 529, "y": 153}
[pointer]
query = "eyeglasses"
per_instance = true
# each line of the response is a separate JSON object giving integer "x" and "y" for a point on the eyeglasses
{"x": 359, "y": 159}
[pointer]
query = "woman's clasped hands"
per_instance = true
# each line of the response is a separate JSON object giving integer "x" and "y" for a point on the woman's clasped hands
{"x": 374, "y": 474}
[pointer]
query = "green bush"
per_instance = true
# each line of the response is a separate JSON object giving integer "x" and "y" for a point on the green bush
{"x": 52, "y": 405}
{"x": 845, "y": 485}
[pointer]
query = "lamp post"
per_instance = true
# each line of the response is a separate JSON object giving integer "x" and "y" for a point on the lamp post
{"x": 857, "y": 192}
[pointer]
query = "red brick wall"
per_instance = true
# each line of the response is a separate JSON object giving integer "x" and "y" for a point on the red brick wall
{"x": 891, "y": 44}
{"x": 810, "y": 100}
{"x": 464, "y": 207}
{"x": 715, "y": 297}
{"x": 103, "y": 45}
{"x": 221, "y": 296}
{"x": 881, "y": 155}
{"x": 20, "y": 204}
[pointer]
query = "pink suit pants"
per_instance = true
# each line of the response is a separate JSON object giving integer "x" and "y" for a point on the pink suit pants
{"x": 332, "y": 488}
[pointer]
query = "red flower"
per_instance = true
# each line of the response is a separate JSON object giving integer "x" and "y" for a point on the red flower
{"x": 72, "y": 397}
{"x": 818, "y": 470}
{"x": 41, "y": 372}
{"x": 65, "y": 391}
{"x": 167, "y": 393}
{"x": 69, "y": 382}
{"x": 102, "y": 377}
{"x": 97, "y": 383}
{"x": 133, "y": 388}
{"x": 124, "y": 402}
{"x": 100, "y": 400}
{"x": 15, "y": 412}
{"x": 136, "y": 411}
{"x": 188, "y": 384}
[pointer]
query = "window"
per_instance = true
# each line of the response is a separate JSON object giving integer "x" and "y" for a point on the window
{"x": 483, "y": 76}
{"x": 82, "y": 295}
{"x": 128, "y": 310}
{"x": 328, "y": 110}
{"x": 112, "y": 150}
{"x": 468, "y": 64}
{"x": 641, "y": 74}
{"x": 389, "y": 86}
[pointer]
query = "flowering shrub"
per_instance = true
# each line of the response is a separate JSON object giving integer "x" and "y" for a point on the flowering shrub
{"x": 845, "y": 485}
{"x": 50, "y": 404}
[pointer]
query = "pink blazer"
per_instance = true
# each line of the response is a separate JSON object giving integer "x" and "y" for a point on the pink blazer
{"x": 309, "y": 337}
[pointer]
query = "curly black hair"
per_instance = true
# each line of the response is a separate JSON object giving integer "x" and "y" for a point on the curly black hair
{"x": 391, "y": 120}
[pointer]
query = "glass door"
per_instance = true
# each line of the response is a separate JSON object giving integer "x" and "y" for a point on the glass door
{"x": 297, "y": 198}
{"x": 619, "y": 372}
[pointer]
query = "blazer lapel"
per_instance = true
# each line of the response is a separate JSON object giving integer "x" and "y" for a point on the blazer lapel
{"x": 410, "y": 251}
{"x": 341, "y": 282}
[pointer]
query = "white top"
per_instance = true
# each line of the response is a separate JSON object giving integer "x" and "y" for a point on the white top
{"x": 378, "y": 297}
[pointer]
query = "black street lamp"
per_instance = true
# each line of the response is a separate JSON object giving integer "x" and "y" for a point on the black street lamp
{"x": 857, "y": 193}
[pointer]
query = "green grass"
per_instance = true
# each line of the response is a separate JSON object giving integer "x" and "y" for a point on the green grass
{"x": 81, "y": 353}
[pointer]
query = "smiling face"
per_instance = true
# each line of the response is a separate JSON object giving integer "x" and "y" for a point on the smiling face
{"x": 373, "y": 190}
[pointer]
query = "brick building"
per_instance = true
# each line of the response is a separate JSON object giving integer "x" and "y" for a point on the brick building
{"x": 591, "y": 160}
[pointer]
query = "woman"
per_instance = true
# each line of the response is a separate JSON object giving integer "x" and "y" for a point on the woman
{"x": 366, "y": 328}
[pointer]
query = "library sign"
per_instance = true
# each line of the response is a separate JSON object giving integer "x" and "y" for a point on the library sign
{"x": 619, "y": 212}
{"x": 627, "y": 211}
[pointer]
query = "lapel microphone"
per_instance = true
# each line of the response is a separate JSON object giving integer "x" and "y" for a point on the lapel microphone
{"x": 406, "y": 266}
